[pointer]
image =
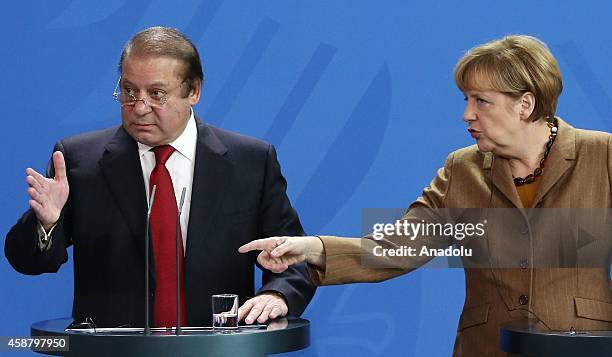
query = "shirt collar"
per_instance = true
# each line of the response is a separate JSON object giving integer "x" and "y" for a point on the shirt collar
{"x": 185, "y": 143}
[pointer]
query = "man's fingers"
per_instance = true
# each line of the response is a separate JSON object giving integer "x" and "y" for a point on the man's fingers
{"x": 253, "y": 314}
{"x": 262, "y": 244}
{"x": 32, "y": 182}
{"x": 263, "y": 317}
{"x": 35, "y": 175}
{"x": 244, "y": 309}
{"x": 37, "y": 207}
{"x": 264, "y": 307}
{"x": 35, "y": 195}
{"x": 60, "y": 166}
{"x": 276, "y": 312}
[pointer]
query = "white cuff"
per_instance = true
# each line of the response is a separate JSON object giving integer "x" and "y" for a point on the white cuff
{"x": 44, "y": 238}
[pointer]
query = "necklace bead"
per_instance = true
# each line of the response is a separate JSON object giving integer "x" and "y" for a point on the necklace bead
{"x": 552, "y": 124}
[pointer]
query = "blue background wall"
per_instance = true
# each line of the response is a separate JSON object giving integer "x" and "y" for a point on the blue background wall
{"x": 357, "y": 96}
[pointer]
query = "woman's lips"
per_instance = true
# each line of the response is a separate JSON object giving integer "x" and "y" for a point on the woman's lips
{"x": 474, "y": 133}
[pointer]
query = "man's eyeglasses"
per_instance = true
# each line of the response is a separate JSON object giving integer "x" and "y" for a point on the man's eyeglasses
{"x": 156, "y": 98}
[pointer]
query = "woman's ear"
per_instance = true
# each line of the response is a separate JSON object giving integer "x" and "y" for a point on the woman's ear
{"x": 527, "y": 103}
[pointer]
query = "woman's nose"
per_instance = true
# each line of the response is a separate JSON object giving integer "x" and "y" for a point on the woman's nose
{"x": 468, "y": 113}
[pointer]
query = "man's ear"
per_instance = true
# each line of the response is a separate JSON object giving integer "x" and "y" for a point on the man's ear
{"x": 195, "y": 92}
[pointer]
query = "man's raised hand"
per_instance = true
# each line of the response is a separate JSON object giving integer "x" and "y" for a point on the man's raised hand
{"x": 48, "y": 195}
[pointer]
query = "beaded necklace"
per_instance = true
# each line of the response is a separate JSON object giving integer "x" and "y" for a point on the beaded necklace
{"x": 552, "y": 124}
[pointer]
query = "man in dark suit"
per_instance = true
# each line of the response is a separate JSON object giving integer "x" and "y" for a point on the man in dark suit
{"x": 98, "y": 186}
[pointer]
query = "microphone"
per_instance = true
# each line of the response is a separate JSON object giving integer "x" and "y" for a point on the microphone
{"x": 147, "y": 328}
{"x": 178, "y": 256}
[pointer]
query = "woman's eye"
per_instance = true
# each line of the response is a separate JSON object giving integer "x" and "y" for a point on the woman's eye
{"x": 481, "y": 101}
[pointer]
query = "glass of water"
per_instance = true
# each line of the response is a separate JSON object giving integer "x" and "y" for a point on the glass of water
{"x": 225, "y": 311}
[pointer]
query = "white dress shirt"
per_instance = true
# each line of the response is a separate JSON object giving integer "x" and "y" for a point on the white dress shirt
{"x": 180, "y": 165}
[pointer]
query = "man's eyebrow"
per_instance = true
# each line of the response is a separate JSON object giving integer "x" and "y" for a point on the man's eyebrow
{"x": 158, "y": 84}
{"x": 154, "y": 84}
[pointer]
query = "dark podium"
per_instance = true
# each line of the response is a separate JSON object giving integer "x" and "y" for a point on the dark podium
{"x": 282, "y": 335}
{"x": 526, "y": 338}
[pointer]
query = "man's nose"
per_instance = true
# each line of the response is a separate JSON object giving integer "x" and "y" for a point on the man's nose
{"x": 141, "y": 107}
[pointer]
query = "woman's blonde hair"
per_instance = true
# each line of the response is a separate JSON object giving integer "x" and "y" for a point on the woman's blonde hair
{"x": 513, "y": 65}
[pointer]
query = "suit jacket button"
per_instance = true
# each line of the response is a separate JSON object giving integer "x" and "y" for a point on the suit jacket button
{"x": 523, "y": 299}
{"x": 524, "y": 230}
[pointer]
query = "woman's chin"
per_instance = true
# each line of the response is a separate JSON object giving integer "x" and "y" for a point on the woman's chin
{"x": 485, "y": 146}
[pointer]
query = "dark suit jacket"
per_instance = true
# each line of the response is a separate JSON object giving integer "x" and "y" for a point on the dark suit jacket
{"x": 238, "y": 195}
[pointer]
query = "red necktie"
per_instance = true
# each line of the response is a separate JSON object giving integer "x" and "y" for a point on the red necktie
{"x": 163, "y": 229}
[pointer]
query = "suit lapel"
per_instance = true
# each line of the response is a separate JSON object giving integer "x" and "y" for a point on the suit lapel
{"x": 121, "y": 168}
{"x": 210, "y": 180}
{"x": 501, "y": 175}
{"x": 560, "y": 159}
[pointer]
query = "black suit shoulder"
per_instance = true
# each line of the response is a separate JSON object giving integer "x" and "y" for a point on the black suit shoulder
{"x": 236, "y": 141}
{"x": 249, "y": 155}
{"x": 102, "y": 135}
{"x": 85, "y": 144}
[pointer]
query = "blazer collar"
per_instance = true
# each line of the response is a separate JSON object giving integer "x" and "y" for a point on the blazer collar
{"x": 501, "y": 178}
{"x": 559, "y": 160}
{"x": 120, "y": 166}
{"x": 207, "y": 140}
{"x": 213, "y": 168}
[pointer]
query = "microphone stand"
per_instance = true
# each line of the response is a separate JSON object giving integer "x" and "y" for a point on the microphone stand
{"x": 179, "y": 252}
{"x": 147, "y": 328}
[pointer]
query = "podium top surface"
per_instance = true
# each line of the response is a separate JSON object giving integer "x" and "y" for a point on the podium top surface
{"x": 531, "y": 339}
{"x": 281, "y": 335}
